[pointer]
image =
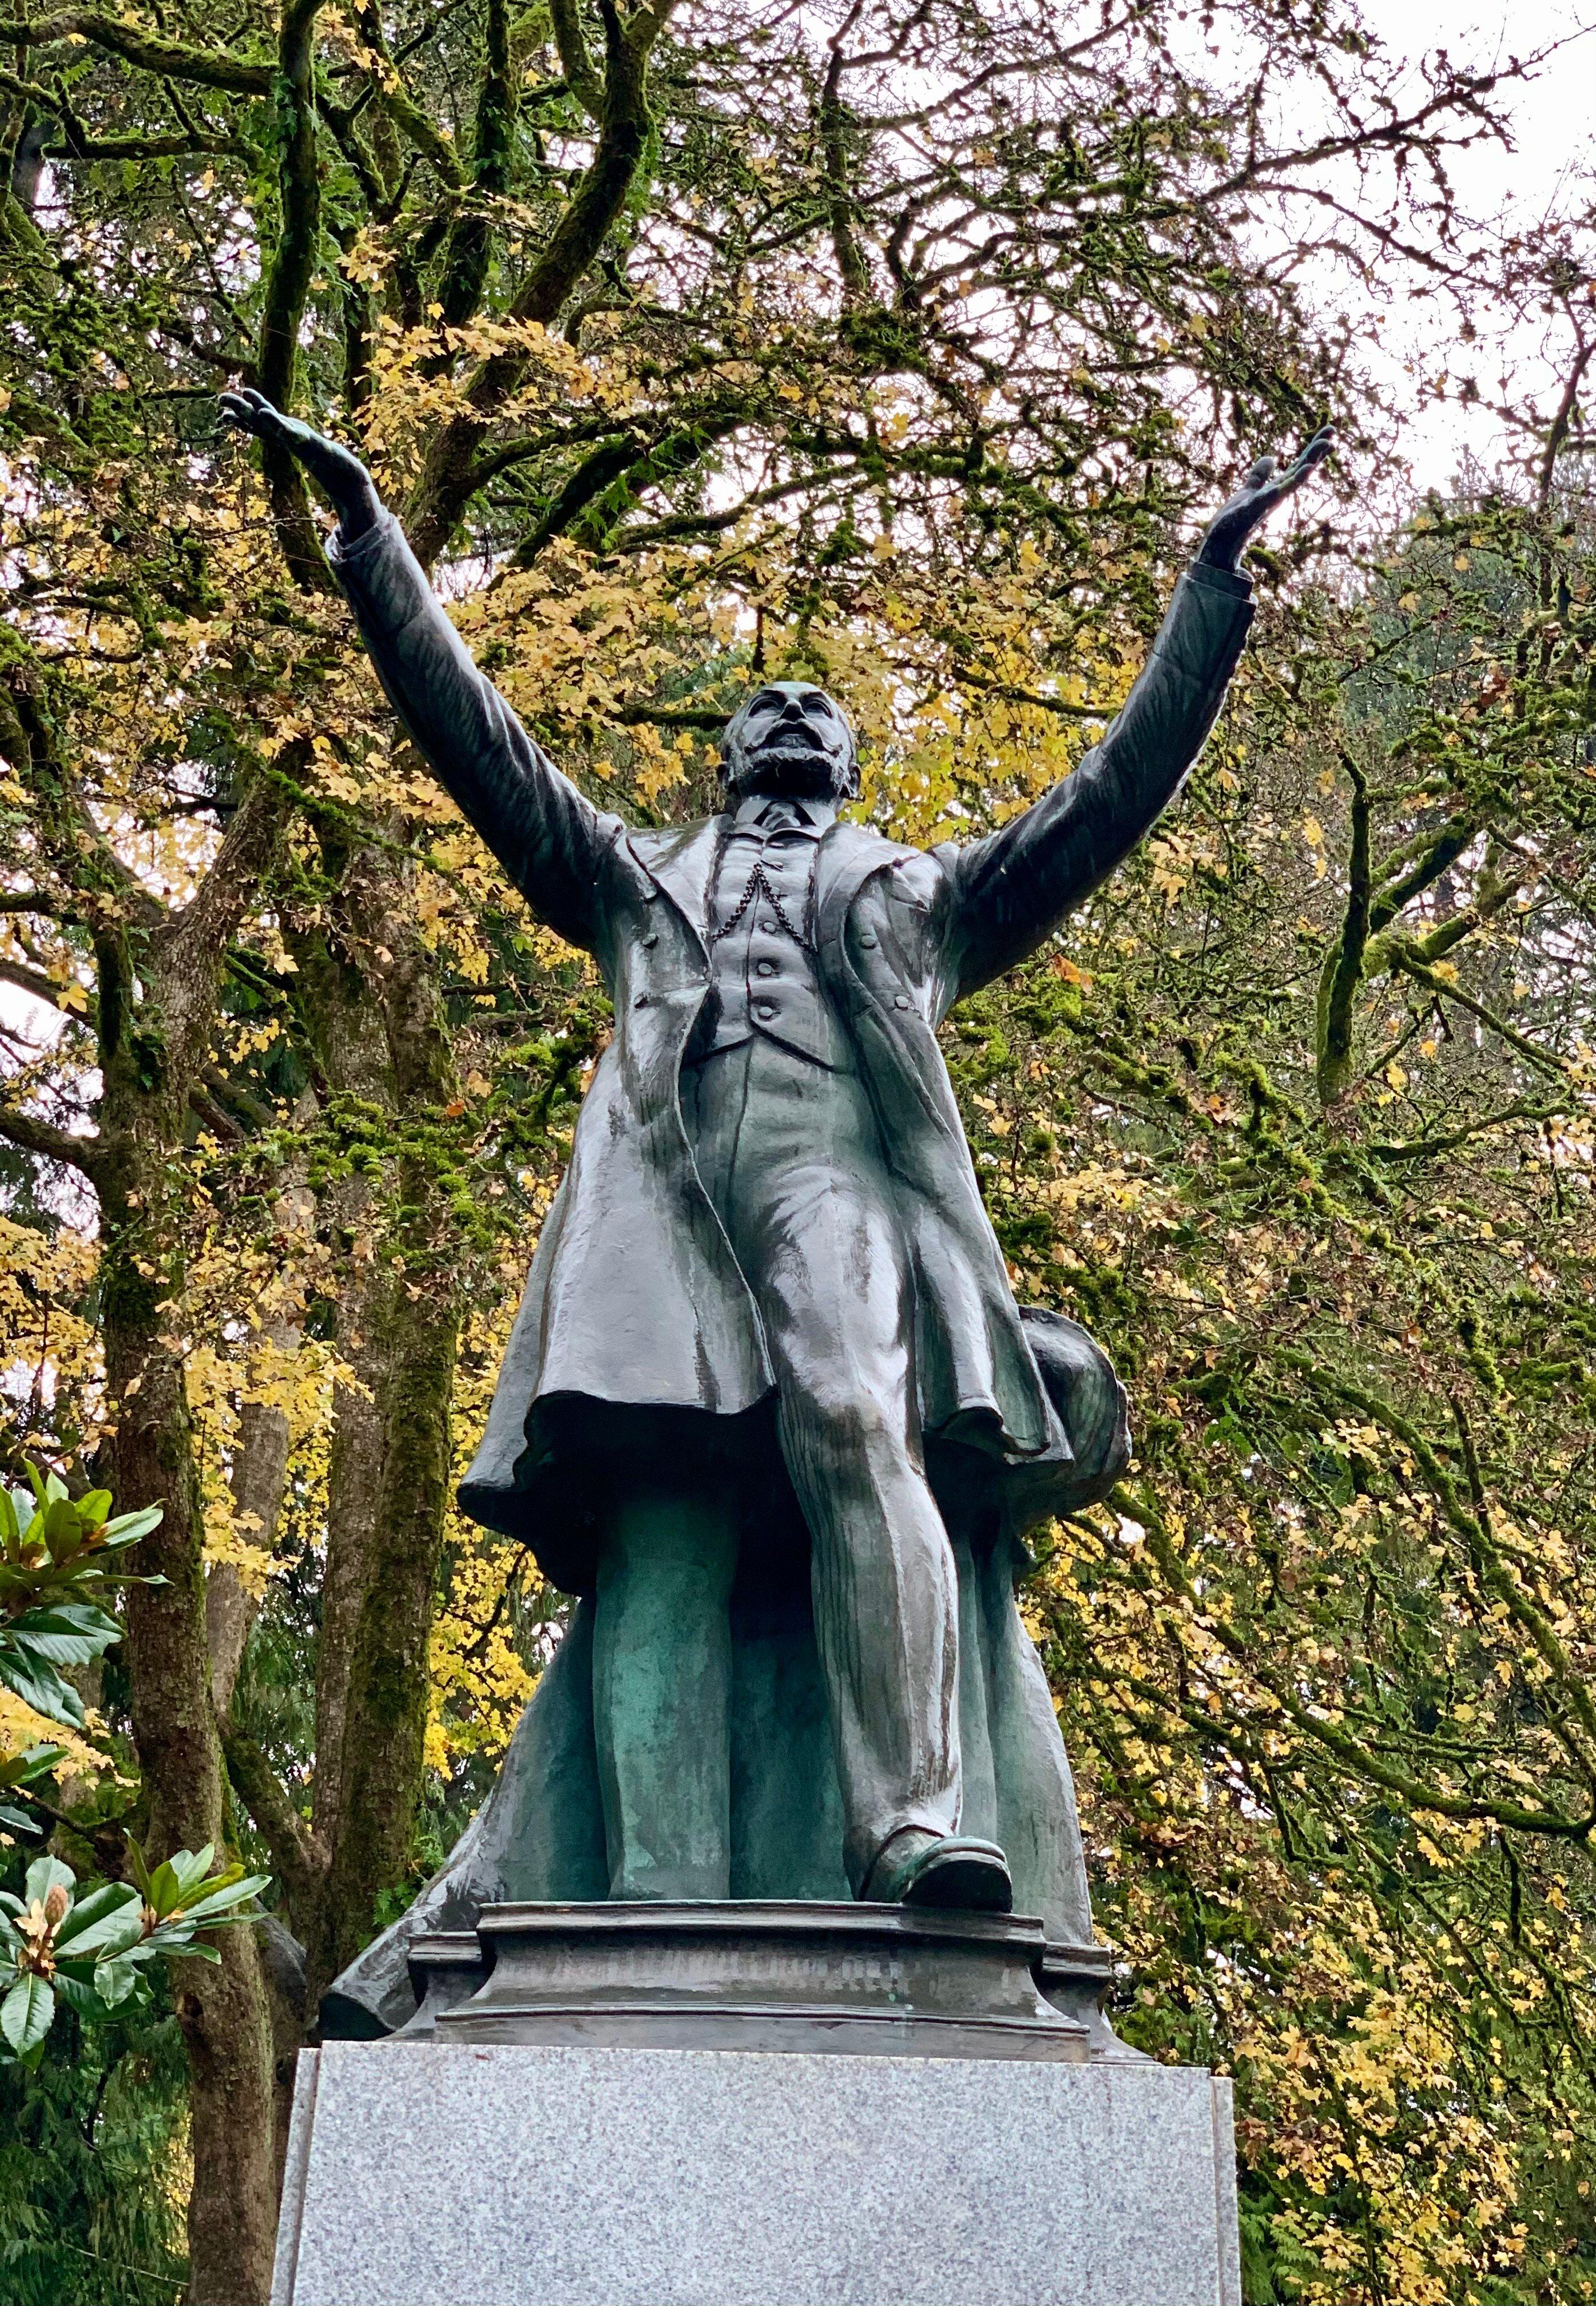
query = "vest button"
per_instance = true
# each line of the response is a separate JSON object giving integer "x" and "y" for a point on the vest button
{"x": 766, "y": 1011}
{"x": 767, "y": 929}
{"x": 868, "y": 938}
{"x": 902, "y": 1001}
{"x": 766, "y": 968}
{"x": 652, "y": 938}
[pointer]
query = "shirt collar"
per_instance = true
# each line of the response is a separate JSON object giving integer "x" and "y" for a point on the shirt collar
{"x": 793, "y": 816}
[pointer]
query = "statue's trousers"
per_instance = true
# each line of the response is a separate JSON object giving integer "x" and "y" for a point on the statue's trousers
{"x": 789, "y": 1154}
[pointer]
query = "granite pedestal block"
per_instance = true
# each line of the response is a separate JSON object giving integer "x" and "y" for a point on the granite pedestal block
{"x": 755, "y": 2104}
{"x": 427, "y": 2173}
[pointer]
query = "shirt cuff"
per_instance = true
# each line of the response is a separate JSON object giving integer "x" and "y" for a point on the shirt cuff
{"x": 1222, "y": 580}
{"x": 346, "y": 554}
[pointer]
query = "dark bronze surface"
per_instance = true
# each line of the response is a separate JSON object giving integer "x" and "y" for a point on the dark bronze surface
{"x": 774, "y": 1974}
{"x": 769, "y": 1406}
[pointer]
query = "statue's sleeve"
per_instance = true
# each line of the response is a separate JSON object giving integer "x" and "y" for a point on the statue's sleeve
{"x": 546, "y": 835}
{"x": 1012, "y": 889}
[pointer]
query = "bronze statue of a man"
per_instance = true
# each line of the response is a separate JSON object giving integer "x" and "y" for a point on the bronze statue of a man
{"x": 768, "y": 1275}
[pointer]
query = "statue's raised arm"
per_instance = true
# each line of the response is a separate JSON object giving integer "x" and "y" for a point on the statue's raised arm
{"x": 1012, "y": 889}
{"x": 547, "y": 837}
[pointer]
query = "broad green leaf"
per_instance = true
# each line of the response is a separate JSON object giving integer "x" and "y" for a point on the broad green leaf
{"x": 39, "y": 1686}
{"x": 65, "y": 1633}
{"x": 106, "y": 1917}
{"x": 188, "y": 1869}
{"x": 34, "y": 1762}
{"x": 93, "y": 1507}
{"x": 114, "y": 1981}
{"x": 47, "y": 1874}
{"x": 235, "y": 1893}
{"x": 79, "y": 1995}
{"x": 127, "y": 1527}
{"x": 163, "y": 1896}
{"x": 25, "y": 2014}
{"x": 63, "y": 1531}
{"x": 10, "y": 1528}
{"x": 111, "y": 1934}
{"x": 17, "y": 1820}
{"x": 141, "y": 1869}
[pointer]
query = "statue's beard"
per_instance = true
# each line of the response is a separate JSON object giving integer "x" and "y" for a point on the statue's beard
{"x": 793, "y": 771}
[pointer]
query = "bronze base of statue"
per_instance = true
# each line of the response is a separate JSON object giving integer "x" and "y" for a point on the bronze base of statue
{"x": 763, "y": 1975}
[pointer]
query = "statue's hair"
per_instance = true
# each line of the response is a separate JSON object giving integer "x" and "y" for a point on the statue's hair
{"x": 734, "y": 760}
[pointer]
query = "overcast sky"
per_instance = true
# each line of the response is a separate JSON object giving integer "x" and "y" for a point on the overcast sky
{"x": 1554, "y": 123}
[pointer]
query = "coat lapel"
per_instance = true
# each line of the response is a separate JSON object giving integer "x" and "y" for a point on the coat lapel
{"x": 682, "y": 863}
{"x": 848, "y": 855}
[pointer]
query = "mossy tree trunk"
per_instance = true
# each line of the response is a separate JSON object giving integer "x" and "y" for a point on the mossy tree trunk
{"x": 158, "y": 982}
{"x": 371, "y": 1000}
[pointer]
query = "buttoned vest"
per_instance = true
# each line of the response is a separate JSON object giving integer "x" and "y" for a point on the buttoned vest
{"x": 764, "y": 978}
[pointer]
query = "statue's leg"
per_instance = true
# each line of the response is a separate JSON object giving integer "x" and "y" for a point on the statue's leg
{"x": 979, "y": 1812}
{"x": 789, "y": 1154}
{"x": 663, "y": 1687}
{"x": 785, "y": 1806}
{"x": 883, "y": 1575}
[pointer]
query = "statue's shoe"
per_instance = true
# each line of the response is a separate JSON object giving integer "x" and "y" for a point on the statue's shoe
{"x": 952, "y": 1871}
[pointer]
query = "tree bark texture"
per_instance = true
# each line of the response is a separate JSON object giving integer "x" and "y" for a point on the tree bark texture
{"x": 371, "y": 992}
{"x": 149, "y": 1051}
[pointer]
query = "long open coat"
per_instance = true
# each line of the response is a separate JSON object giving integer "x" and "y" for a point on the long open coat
{"x": 634, "y": 1297}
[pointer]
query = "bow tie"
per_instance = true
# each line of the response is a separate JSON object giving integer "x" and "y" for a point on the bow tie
{"x": 776, "y": 816}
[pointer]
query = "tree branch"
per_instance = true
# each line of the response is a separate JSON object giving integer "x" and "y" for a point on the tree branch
{"x": 405, "y": 114}
{"x": 1346, "y": 1749}
{"x": 31, "y": 1135}
{"x": 1343, "y": 971}
{"x": 295, "y": 1852}
{"x": 584, "y": 82}
{"x": 1443, "y": 851}
{"x": 194, "y": 940}
{"x": 1408, "y": 957}
{"x": 148, "y": 51}
{"x": 32, "y": 981}
{"x": 444, "y": 489}
{"x": 288, "y": 284}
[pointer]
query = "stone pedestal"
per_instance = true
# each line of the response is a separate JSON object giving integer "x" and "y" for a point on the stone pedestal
{"x": 626, "y": 2106}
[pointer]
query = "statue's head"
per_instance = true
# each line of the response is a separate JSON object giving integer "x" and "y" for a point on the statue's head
{"x": 789, "y": 738}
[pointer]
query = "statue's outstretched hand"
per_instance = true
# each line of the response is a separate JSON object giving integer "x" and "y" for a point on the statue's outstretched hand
{"x": 336, "y": 470}
{"x": 1265, "y": 486}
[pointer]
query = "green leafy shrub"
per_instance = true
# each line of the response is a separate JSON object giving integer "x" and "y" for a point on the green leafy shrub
{"x": 89, "y": 1952}
{"x": 56, "y": 1560}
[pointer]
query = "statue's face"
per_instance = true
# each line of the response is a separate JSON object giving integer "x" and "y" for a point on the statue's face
{"x": 789, "y": 738}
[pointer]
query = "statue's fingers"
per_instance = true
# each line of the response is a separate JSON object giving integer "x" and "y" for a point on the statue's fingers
{"x": 1262, "y": 472}
{"x": 1313, "y": 455}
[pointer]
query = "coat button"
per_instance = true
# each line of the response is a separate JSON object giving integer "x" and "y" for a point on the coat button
{"x": 868, "y": 938}
{"x": 651, "y": 938}
{"x": 902, "y": 1000}
{"x": 767, "y": 969}
{"x": 765, "y": 1011}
